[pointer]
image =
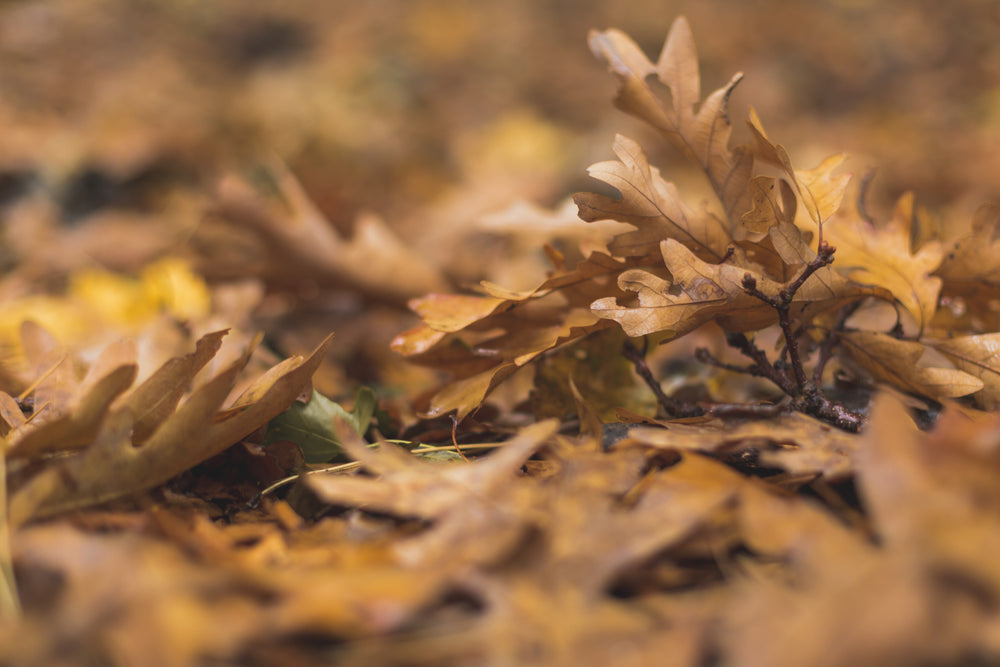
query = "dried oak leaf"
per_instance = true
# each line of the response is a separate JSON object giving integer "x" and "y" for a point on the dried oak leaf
{"x": 484, "y": 339}
{"x": 895, "y": 361}
{"x": 881, "y": 256}
{"x": 819, "y": 189}
{"x": 700, "y": 292}
{"x": 114, "y": 465}
{"x": 795, "y": 442}
{"x": 698, "y": 129}
{"x": 972, "y": 262}
{"x": 979, "y": 356}
{"x": 478, "y": 515}
{"x": 652, "y": 205}
{"x": 934, "y": 503}
{"x": 297, "y": 243}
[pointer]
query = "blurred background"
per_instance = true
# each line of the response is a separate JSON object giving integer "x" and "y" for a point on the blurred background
{"x": 120, "y": 118}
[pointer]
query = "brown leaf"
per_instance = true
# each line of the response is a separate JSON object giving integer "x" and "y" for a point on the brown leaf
{"x": 881, "y": 256}
{"x": 652, "y": 205}
{"x": 478, "y": 514}
{"x": 972, "y": 262}
{"x": 701, "y": 136}
{"x": 934, "y": 496}
{"x": 894, "y": 361}
{"x": 80, "y": 425}
{"x": 820, "y": 191}
{"x": 794, "y": 442}
{"x": 298, "y": 243}
{"x": 701, "y": 292}
{"x": 978, "y": 356}
{"x": 155, "y": 399}
{"x": 113, "y": 466}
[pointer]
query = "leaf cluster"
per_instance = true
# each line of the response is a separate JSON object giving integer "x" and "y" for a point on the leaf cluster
{"x": 782, "y": 246}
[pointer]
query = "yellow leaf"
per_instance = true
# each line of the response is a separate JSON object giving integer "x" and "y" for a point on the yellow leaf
{"x": 881, "y": 256}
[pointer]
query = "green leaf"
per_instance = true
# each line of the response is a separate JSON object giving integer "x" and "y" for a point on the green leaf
{"x": 310, "y": 425}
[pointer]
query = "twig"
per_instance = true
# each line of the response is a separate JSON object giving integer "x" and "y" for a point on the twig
{"x": 831, "y": 339}
{"x": 671, "y": 406}
{"x": 703, "y": 355}
{"x": 763, "y": 366}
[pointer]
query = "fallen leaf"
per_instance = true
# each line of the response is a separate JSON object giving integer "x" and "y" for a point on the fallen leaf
{"x": 701, "y": 293}
{"x": 113, "y": 466}
{"x": 978, "y": 356}
{"x": 881, "y": 256}
{"x": 820, "y": 191}
{"x": 895, "y": 361}
{"x": 653, "y": 206}
{"x": 701, "y": 136}
{"x": 310, "y": 425}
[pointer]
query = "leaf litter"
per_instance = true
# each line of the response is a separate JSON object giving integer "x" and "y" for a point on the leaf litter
{"x": 546, "y": 480}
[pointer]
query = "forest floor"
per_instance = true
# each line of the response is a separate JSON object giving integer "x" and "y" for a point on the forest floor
{"x": 220, "y": 224}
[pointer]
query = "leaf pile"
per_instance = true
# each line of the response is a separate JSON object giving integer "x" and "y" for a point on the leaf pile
{"x": 783, "y": 249}
{"x": 756, "y": 431}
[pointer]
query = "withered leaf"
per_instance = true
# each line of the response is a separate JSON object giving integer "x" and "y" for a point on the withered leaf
{"x": 820, "y": 191}
{"x": 973, "y": 261}
{"x": 80, "y": 425}
{"x": 895, "y": 361}
{"x": 155, "y": 399}
{"x": 700, "y": 135}
{"x": 881, "y": 256}
{"x": 652, "y": 205}
{"x": 476, "y": 517}
{"x": 978, "y": 356}
{"x": 701, "y": 292}
{"x": 113, "y": 466}
{"x": 933, "y": 496}
{"x": 794, "y": 442}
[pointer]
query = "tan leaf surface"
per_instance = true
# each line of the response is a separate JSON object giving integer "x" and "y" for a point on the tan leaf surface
{"x": 297, "y": 242}
{"x": 652, "y": 205}
{"x": 477, "y": 516}
{"x": 819, "y": 189}
{"x": 973, "y": 261}
{"x": 113, "y": 466}
{"x": 978, "y": 356}
{"x": 700, "y": 135}
{"x": 701, "y": 292}
{"x": 895, "y": 361}
{"x": 797, "y": 443}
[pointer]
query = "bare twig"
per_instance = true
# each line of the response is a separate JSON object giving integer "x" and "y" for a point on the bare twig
{"x": 671, "y": 406}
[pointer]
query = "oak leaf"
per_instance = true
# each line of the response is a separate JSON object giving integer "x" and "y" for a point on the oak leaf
{"x": 477, "y": 515}
{"x": 114, "y": 466}
{"x": 881, "y": 256}
{"x": 895, "y": 361}
{"x": 973, "y": 261}
{"x": 652, "y": 205}
{"x": 797, "y": 443}
{"x": 701, "y": 292}
{"x": 978, "y": 356}
{"x": 820, "y": 191}
{"x": 698, "y": 129}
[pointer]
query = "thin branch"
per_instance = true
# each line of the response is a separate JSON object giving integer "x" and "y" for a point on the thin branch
{"x": 703, "y": 355}
{"x": 831, "y": 339}
{"x": 671, "y": 406}
{"x": 761, "y": 363}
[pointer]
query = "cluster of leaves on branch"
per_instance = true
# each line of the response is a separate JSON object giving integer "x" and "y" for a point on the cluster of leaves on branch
{"x": 784, "y": 247}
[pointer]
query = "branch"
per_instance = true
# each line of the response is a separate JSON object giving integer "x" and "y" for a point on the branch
{"x": 671, "y": 406}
